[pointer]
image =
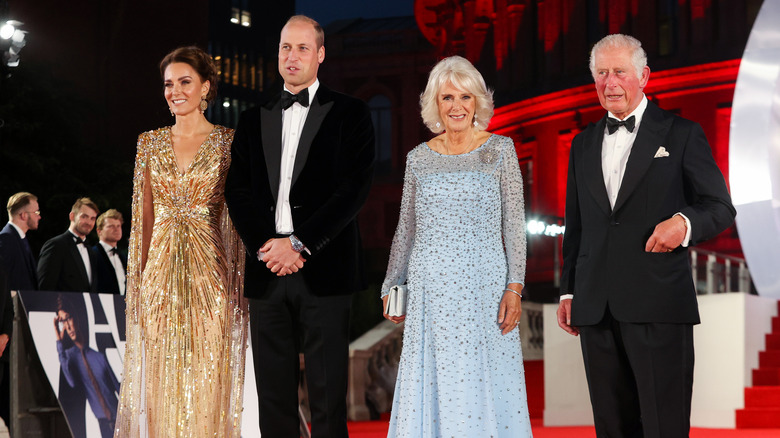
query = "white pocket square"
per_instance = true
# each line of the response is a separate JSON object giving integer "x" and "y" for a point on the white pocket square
{"x": 661, "y": 152}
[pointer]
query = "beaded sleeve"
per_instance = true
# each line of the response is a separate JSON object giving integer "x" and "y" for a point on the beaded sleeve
{"x": 130, "y": 399}
{"x": 403, "y": 240}
{"x": 513, "y": 213}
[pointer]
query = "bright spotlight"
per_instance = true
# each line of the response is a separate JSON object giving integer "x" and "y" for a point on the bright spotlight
{"x": 7, "y": 31}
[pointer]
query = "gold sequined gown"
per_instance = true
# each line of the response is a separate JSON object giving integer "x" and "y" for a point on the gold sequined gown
{"x": 186, "y": 315}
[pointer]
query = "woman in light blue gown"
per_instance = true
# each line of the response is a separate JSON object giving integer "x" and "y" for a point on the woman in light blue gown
{"x": 460, "y": 247}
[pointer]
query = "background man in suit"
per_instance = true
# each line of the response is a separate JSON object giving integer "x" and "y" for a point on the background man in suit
{"x": 642, "y": 186}
{"x": 15, "y": 254}
{"x": 65, "y": 263}
{"x": 110, "y": 264}
{"x": 18, "y": 273}
{"x": 301, "y": 170}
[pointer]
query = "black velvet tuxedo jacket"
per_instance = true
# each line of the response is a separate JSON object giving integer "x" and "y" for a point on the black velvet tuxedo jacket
{"x": 330, "y": 182}
{"x": 103, "y": 271}
{"x": 20, "y": 273}
{"x": 61, "y": 268}
{"x": 605, "y": 263}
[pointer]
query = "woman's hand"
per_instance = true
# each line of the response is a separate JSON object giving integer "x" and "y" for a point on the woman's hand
{"x": 510, "y": 309}
{"x": 59, "y": 333}
{"x": 395, "y": 319}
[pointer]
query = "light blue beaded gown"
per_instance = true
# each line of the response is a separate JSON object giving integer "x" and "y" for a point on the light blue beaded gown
{"x": 460, "y": 240}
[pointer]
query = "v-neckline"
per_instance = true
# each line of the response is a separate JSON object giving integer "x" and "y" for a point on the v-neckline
{"x": 194, "y": 157}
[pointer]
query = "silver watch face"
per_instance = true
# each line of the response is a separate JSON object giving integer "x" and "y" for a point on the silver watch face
{"x": 297, "y": 245}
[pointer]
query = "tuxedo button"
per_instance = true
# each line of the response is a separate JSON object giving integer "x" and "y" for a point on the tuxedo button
{"x": 615, "y": 223}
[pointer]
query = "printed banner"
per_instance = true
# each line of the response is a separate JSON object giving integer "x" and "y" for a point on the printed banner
{"x": 80, "y": 339}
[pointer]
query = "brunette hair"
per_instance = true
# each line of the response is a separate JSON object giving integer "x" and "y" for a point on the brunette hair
{"x": 199, "y": 60}
{"x": 81, "y": 202}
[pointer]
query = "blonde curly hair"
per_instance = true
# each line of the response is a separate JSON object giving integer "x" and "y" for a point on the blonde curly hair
{"x": 462, "y": 75}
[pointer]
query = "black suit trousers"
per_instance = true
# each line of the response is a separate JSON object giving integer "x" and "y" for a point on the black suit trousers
{"x": 640, "y": 377}
{"x": 288, "y": 319}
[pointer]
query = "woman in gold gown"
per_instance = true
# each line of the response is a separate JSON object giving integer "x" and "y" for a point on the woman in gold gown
{"x": 186, "y": 315}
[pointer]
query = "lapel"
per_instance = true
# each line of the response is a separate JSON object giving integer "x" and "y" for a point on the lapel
{"x": 594, "y": 176}
{"x": 320, "y": 106}
{"x": 271, "y": 137}
{"x": 101, "y": 252}
{"x": 652, "y": 132}
{"x": 74, "y": 252}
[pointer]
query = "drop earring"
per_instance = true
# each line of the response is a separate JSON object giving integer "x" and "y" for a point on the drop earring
{"x": 475, "y": 122}
{"x": 438, "y": 125}
{"x": 204, "y": 105}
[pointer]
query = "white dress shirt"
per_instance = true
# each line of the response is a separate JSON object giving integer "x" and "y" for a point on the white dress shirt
{"x": 615, "y": 149}
{"x": 84, "y": 252}
{"x": 116, "y": 262}
{"x": 293, "y": 120}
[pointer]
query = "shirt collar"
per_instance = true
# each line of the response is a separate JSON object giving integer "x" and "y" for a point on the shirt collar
{"x": 638, "y": 112}
{"x": 312, "y": 90}
{"x": 76, "y": 236}
{"x": 106, "y": 246}
{"x": 22, "y": 234}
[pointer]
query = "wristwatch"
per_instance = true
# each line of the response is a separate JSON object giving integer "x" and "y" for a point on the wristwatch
{"x": 297, "y": 245}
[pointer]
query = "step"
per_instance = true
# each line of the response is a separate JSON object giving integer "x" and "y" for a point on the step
{"x": 773, "y": 341}
{"x": 769, "y": 359}
{"x": 763, "y": 397}
{"x": 776, "y": 324}
{"x": 758, "y": 418}
{"x": 769, "y": 376}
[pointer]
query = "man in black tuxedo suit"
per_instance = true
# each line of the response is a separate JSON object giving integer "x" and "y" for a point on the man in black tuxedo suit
{"x": 301, "y": 170}
{"x": 642, "y": 186}
{"x": 18, "y": 273}
{"x": 110, "y": 263}
{"x": 65, "y": 263}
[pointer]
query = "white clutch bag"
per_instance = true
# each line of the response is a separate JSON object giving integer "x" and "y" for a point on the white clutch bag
{"x": 396, "y": 301}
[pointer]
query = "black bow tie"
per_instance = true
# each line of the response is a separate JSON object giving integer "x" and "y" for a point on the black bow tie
{"x": 80, "y": 241}
{"x": 113, "y": 251}
{"x": 613, "y": 124}
{"x": 288, "y": 98}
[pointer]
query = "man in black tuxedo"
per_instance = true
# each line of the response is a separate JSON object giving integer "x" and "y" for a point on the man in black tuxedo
{"x": 18, "y": 272}
{"x": 110, "y": 263}
{"x": 642, "y": 186}
{"x": 65, "y": 263}
{"x": 301, "y": 170}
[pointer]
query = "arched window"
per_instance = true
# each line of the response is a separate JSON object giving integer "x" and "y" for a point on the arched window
{"x": 382, "y": 117}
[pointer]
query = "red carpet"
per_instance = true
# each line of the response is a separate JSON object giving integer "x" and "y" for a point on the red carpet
{"x": 378, "y": 429}
{"x": 762, "y": 401}
{"x": 534, "y": 375}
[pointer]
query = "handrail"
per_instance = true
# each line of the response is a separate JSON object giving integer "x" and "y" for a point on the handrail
{"x": 714, "y": 272}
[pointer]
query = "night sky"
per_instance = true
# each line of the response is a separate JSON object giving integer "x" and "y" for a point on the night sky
{"x": 327, "y": 11}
